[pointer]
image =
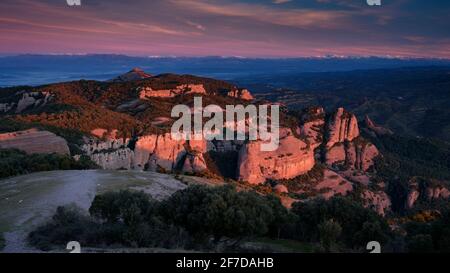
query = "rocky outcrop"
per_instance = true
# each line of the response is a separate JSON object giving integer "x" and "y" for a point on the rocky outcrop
{"x": 148, "y": 92}
{"x": 428, "y": 190}
{"x": 23, "y": 100}
{"x": 411, "y": 199}
{"x": 112, "y": 154}
{"x": 378, "y": 201}
{"x": 150, "y": 152}
{"x": 358, "y": 154}
{"x": 144, "y": 147}
{"x": 168, "y": 152}
{"x": 163, "y": 152}
{"x": 378, "y": 130}
{"x": 33, "y": 141}
{"x": 194, "y": 163}
{"x": 280, "y": 188}
{"x": 333, "y": 184}
{"x": 133, "y": 75}
{"x": 291, "y": 159}
{"x": 120, "y": 159}
{"x": 243, "y": 94}
{"x": 434, "y": 193}
{"x": 342, "y": 126}
{"x": 312, "y": 129}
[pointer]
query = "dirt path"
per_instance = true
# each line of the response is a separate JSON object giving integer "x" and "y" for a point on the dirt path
{"x": 29, "y": 200}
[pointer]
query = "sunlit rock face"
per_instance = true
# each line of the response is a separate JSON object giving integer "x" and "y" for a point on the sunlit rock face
{"x": 149, "y": 152}
{"x": 167, "y": 153}
{"x": 428, "y": 190}
{"x": 342, "y": 126}
{"x": 378, "y": 201}
{"x": 144, "y": 147}
{"x": 243, "y": 94}
{"x": 34, "y": 141}
{"x": 114, "y": 160}
{"x": 110, "y": 154}
{"x": 358, "y": 155}
{"x": 334, "y": 183}
{"x": 184, "y": 89}
{"x": 292, "y": 158}
{"x": 313, "y": 126}
{"x": 194, "y": 163}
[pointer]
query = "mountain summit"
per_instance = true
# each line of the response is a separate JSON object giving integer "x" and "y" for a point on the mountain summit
{"x": 132, "y": 75}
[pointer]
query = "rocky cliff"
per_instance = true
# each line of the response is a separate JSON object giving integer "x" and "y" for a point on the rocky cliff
{"x": 150, "y": 152}
{"x": 23, "y": 100}
{"x": 292, "y": 158}
{"x": 185, "y": 89}
{"x": 425, "y": 189}
{"x": 342, "y": 126}
{"x": 243, "y": 94}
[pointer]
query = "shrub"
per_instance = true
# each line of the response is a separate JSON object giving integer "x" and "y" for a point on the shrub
{"x": 220, "y": 212}
{"x": 359, "y": 224}
{"x": 14, "y": 162}
{"x": 68, "y": 224}
{"x": 329, "y": 231}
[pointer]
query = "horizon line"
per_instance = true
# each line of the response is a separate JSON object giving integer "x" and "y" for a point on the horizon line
{"x": 325, "y": 56}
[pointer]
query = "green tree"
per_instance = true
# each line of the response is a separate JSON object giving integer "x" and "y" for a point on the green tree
{"x": 128, "y": 207}
{"x": 353, "y": 218}
{"x": 329, "y": 232}
{"x": 219, "y": 211}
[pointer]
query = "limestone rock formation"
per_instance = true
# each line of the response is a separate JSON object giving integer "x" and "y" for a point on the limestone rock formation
{"x": 280, "y": 188}
{"x": 148, "y": 92}
{"x": 291, "y": 159}
{"x": 144, "y": 147}
{"x": 433, "y": 193}
{"x": 194, "y": 163}
{"x": 342, "y": 126}
{"x": 120, "y": 159}
{"x": 333, "y": 184}
{"x": 313, "y": 125}
{"x": 358, "y": 155}
{"x": 33, "y": 141}
{"x": 425, "y": 190}
{"x": 150, "y": 152}
{"x": 23, "y": 100}
{"x": 167, "y": 153}
{"x": 378, "y": 201}
{"x": 378, "y": 130}
{"x": 112, "y": 154}
{"x": 411, "y": 199}
{"x": 243, "y": 94}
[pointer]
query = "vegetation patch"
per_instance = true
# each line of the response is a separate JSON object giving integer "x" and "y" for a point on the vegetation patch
{"x": 14, "y": 162}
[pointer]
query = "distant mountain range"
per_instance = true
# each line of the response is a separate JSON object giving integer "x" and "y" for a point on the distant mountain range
{"x": 43, "y": 69}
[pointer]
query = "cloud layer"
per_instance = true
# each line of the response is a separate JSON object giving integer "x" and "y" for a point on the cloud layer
{"x": 253, "y": 28}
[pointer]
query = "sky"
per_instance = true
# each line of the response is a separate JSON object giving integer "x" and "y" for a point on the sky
{"x": 247, "y": 28}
